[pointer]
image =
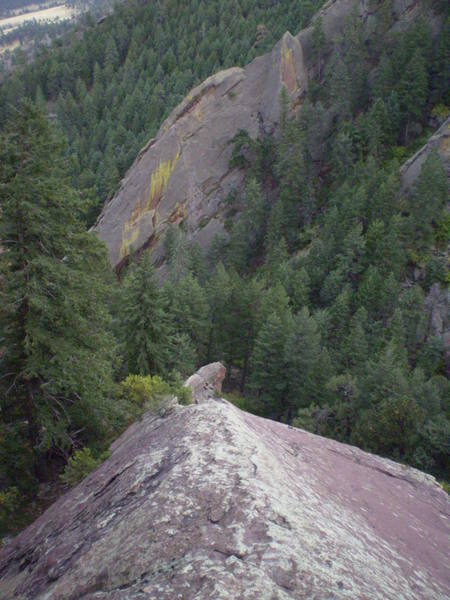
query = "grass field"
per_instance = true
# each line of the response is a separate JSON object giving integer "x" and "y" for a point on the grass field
{"x": 48, "y": 14}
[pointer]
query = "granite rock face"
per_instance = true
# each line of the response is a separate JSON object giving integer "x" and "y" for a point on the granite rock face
{"x": 211, "y": 502}
{"x": 183, "y": 174}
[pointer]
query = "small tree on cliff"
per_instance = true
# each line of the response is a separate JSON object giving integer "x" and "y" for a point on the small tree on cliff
{"x": 56, "y": 352}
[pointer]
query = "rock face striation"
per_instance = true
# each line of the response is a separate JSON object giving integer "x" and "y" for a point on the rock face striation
{"x": 183, "y": 174}
{"x": 209, "y": 502}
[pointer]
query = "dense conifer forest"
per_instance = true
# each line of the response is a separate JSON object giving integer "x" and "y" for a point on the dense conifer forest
{"x": 112, "y": 89}
{"x": 315, "y": 300}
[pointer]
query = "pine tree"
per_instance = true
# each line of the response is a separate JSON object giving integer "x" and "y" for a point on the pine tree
{"x": 296, "y": 193}
{"x": 188, "y": 310}
{"x": 340, "y": 87}
{"x": 356, "y": 345}
{"x": 144, "y": 331}
{"x": 218, "y": 293}
{"x": 254, "y": 216}
{"x": 243, "y": 321}
{"x": 56, "y": 361}
{"x": 429, "y": 197}
{"x": 413, "y": 89}
{"x": 302, "y": 352}
{"x": 268, "y": 366}
{"x": 299, "y": 288}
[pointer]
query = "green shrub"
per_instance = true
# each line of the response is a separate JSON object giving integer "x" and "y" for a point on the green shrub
{"x": 441, "y": 112}
{"x": 80, "y": 465}
{"x": 442, "y": 232}
{"x": 446, "y": 486}
{"x": 153, "y": 393}
{"x": 145, "y": 392}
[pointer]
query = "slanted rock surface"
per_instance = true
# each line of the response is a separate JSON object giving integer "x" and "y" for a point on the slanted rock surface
{"x": 210, "y": 502}
{"x": 440, "y": 143}
{"x": 183, "y": 174}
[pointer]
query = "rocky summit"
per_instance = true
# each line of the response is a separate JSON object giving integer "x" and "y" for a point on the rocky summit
{"x": 210, "y": 502}
{"x": 183, "y": 174}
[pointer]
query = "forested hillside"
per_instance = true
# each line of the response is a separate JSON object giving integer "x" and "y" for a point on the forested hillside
{"x": 316, "y": 299}
{"x": 317, "y": 303}
{"x": 112, "y": 88}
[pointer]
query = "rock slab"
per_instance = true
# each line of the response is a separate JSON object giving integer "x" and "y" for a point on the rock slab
{"x": 183, "y": 174}
{"x": 212, "y": 502}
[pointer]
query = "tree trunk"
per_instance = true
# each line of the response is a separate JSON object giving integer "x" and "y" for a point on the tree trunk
{"x": 33, "y": 431}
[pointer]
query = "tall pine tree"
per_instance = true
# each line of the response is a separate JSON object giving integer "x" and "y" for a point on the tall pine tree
{"x": 56, "y": 352}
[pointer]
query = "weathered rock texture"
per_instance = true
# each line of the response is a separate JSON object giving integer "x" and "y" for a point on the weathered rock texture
{"x": 213, "y": 503}
{"x": 206, "y": 382}
{"x": 183, "y": 174}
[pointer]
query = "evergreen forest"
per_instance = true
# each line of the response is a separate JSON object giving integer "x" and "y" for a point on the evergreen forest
{"x": 315, "y": 300}
{"x": 111, "y": 89}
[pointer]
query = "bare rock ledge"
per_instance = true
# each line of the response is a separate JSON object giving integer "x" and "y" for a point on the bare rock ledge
{"x": 210, "y": 502}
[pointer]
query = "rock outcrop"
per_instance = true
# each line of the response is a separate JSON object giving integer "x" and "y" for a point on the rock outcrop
{"x": 183, "y": 174}
{"x": 440, "y": 143}
{"x": 211, "y": 502}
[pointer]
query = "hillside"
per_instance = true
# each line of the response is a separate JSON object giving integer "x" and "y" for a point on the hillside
{"x": 284, "y": 180}
{"x": 112, "y": 83}
{"x": 288, "y": 218}
{"x": 211, "y": 502}
{"x": 184, "y": 175}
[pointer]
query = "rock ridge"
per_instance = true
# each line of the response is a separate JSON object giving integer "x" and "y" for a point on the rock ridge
{"x": 212, "y": 502}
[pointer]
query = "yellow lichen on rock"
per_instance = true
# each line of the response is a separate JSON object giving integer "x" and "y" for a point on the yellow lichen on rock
{"x": 288, "y": 75}
{"x": 158, "y": 184}
{"x": 159, "y": 181}
{"x": 129, "y": 237}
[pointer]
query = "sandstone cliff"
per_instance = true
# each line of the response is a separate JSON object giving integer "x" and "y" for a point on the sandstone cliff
{"x": 183, "y": 174}
{"x": 211, "y": 502}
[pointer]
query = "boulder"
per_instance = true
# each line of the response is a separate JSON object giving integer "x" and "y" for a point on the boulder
{"x": 212, "y": 502}
{"x": 207, "y": 381}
